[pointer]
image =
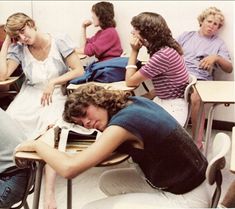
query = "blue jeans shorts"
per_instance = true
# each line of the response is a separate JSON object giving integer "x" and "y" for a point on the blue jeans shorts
{"x": 12, "y": 187}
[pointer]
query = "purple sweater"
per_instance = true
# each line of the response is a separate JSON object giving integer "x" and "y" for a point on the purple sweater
{"x": 104, "y": 45}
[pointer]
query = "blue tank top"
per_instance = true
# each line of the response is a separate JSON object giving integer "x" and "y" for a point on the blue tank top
{"x": 170, "y": 160}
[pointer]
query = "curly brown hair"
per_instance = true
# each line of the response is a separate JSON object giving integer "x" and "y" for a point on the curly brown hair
{"x": 105, "y": 13}
{"x": 91, "y": 94}
{"x": 154, "y": 29}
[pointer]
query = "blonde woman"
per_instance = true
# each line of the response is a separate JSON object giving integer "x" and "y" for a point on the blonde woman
{"x": 45, "y": 61}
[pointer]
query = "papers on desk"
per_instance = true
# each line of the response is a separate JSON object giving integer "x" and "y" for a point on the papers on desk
{"x": 120, "y": 85}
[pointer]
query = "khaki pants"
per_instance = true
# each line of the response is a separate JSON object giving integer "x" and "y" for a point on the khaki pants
{"x": 127, "y": 188}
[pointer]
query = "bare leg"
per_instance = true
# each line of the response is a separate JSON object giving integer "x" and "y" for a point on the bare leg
{"x": 49, "y": 194}
{"x": 229, "y": 199}
{"x": 195, "y": 99}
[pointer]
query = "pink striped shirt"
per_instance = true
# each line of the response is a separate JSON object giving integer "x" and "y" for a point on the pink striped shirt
{"x": 167, "y": 70}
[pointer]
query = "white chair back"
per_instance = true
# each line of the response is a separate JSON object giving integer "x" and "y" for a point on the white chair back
{"x": 187, "y": 94}
{"x": 188, "y": 89}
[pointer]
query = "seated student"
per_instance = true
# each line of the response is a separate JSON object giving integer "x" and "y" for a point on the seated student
{"x": 105, "y": 45}
{"x": 166, "y": 67}
{"x": 45, "y": 60}
{"x": 13, "y": 181}
{"x": 204, "y": 52}
{"x": 171, "y": 165}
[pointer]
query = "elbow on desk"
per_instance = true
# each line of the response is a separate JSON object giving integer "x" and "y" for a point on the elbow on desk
{"x": 130, "y": 83}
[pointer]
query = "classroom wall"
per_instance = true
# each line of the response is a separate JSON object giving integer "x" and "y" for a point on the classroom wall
{"x": 67, "y": 16}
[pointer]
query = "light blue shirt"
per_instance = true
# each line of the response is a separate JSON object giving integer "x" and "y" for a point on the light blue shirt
{"x": 196, "y": 47}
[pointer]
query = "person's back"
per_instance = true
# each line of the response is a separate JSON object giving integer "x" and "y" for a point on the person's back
{"x": 171, "y": 145}
{"x": 13, "y": 181}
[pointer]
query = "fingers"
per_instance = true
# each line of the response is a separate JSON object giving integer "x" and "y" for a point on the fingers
{"x": 46, "y": 99}
{"x": 135, "y": 42}
{"x": 206, "y": 65}
{"x": 87, "y": 23}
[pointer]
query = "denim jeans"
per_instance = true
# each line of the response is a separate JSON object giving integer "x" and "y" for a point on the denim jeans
{"x": 12, "y": 187}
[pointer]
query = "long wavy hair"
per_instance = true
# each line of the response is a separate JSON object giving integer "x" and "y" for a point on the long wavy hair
{"x": 105, "y": 13}
{"x": 90, "y": 94}
{"x": 154, "y": 29}
{"x": 16, "y": 22}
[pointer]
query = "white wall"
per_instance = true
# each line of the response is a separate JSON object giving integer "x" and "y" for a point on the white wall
{"x": 9, "y": 7}
{"x": 67, "y": 16}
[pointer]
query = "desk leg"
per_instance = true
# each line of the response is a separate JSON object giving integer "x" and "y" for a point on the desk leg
{"x": 209, "y": 127}
{"x": 37, "y": 186}
{"x": 69, "y": 194}
{"x": 199, "y": 121}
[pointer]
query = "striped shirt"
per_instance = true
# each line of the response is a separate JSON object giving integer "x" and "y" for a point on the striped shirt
{"x": 167, "y": 70}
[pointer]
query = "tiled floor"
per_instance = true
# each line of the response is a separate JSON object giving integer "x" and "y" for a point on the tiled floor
{"x": 85, "y": 186}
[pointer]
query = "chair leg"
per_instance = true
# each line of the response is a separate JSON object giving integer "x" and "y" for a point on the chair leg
{"x": 37, "y": 186}
{"x": 69, "y": 194}
{"x": 188, "y": 116}
{"x": 217, "y": 193}
{"x": 26, "y": 206}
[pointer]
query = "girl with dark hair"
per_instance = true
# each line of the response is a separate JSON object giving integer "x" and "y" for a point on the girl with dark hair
{"x": 105, "y": 44}
{"x": 165, "y": 68}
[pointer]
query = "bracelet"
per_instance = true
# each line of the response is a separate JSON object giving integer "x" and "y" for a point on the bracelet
{"x": 131, "y": 66}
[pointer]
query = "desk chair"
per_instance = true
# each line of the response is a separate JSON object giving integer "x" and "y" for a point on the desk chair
{"x": 11, "y": 87}
{"x": 187, "y": 95}
{"x": 221, "y": 146}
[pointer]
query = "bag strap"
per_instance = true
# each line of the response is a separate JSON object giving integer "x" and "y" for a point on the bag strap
{"x": 63, "y": 139}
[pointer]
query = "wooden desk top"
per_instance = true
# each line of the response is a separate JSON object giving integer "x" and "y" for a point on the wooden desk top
{"x": 232, "y": 160}
{"x": 120, "y": 85}
{"x": 216, "y": 91}
{"x": 10, "y": 80}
